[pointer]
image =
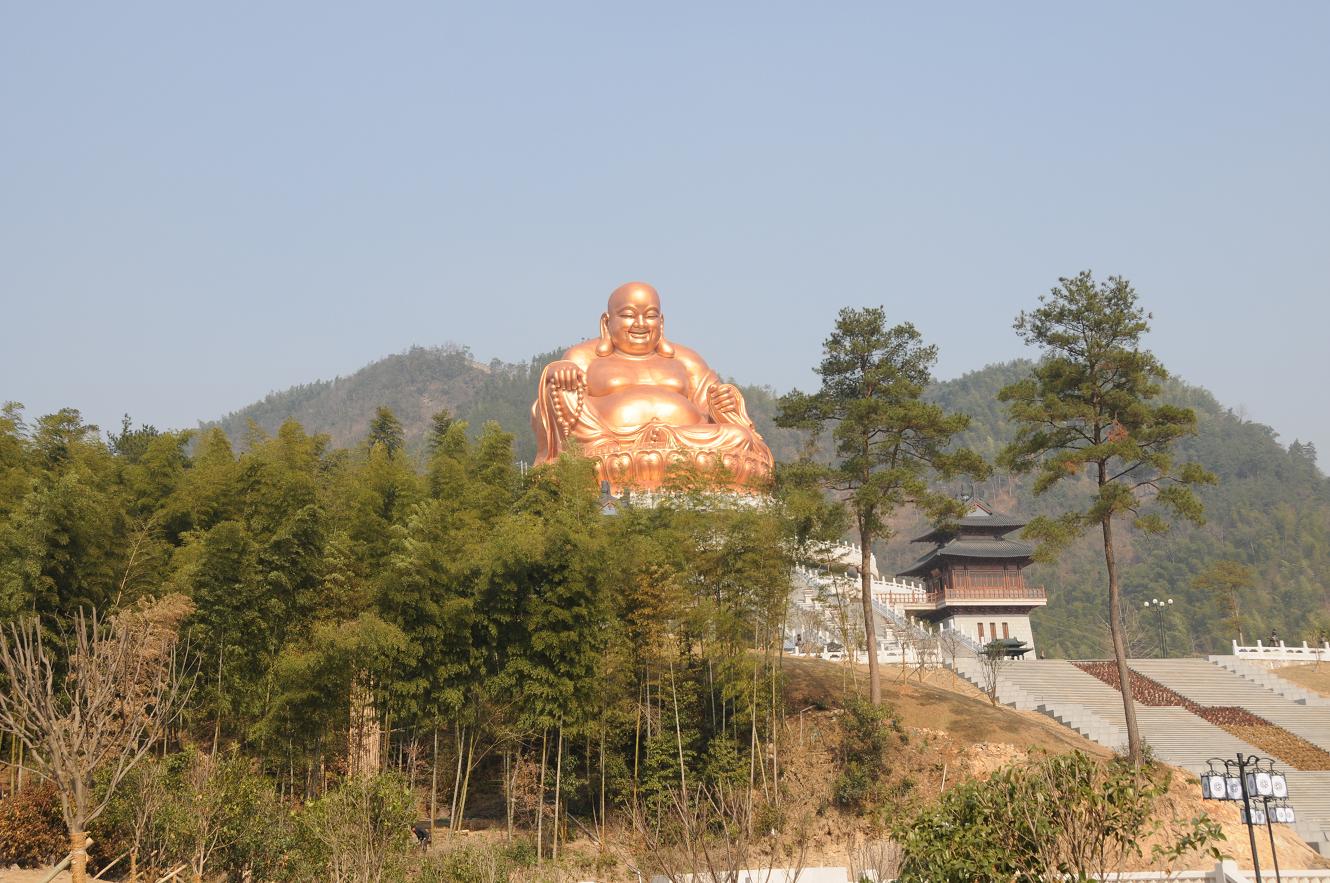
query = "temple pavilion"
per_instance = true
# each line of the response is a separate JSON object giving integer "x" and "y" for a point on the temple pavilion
{"x": 973, "y": 579}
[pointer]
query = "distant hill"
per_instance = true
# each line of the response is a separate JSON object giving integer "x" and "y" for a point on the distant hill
{"x": 415, "y": 384}
{"x": 421, "y": 381}
{"x": 1271, "y": 508}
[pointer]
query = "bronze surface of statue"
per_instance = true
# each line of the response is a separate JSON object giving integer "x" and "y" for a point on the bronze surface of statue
{"x": 638, "y": 403}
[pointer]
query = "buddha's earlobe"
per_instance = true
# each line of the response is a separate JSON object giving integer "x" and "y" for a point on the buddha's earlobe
{"x": 606, "y": 346}
{"x": 664, "y": 347}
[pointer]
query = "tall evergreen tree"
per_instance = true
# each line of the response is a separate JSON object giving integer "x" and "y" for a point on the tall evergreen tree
{"x": 229, "y": 629}
{"x": 1089, "y": 404}
{"x": 386, "y": 430}
{"x": 439, "y": 424}
{"x": 548, "y": 557}
{"x": 1228, "y": 578}
{"x": 888, "y": 441}
{"x": 68, "y": 526}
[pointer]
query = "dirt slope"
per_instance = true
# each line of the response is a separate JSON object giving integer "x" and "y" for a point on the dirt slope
{"x": 1313, "y": 677}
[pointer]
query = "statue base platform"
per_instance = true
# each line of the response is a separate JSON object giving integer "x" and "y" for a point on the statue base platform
{"x": 651, "y": 467}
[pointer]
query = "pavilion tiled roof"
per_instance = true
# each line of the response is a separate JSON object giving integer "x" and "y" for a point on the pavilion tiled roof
{"x": 972, "y": 524}
{"x": 965, "y": 547}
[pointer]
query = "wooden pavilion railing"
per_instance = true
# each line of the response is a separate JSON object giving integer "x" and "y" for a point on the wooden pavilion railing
{"x": 982, "y": 593}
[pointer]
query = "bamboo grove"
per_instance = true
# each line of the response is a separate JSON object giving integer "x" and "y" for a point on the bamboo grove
{"x": 499, "y": 637}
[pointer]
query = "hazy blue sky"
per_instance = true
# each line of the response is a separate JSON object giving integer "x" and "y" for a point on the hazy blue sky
{"x": 203, "y": 203}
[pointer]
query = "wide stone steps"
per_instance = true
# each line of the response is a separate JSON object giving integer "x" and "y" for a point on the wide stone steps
{"x": 1309, "y": 794}
{"x": 1058, "y": 690}
{"x": 1270, "y": 679}
{"x": 1176, "y": 736}
{"x": 1207, "y": 684}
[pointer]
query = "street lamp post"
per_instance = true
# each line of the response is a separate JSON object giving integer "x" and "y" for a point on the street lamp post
{"x": 1251, "y": 779}
{"x": 1159, "y": 609}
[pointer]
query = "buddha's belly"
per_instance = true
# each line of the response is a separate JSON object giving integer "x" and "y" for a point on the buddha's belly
{"x": 630, "y": 408}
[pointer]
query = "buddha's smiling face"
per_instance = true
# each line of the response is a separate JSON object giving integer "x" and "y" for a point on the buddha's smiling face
{"x": 634, "y": 319}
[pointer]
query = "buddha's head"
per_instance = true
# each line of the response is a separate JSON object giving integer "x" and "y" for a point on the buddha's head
{"x": 633, "y": 323}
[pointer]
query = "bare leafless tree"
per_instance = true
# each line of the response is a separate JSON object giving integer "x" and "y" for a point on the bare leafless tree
{"x": 924, "y": 649}
{"x": 950, "y": 645}
{"x": 876, "y": 860}
{"x": 992, "y": 660}
{"x": 148, "y": 786}
{"x": 1136, "y": 635}
{"x": 706, "y": 833}
{"x": 97, "y": 708}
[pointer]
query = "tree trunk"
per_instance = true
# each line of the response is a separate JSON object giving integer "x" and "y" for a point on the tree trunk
{"x": 678, "y": 732}
{"x": 637, "y": 753}
{"x": 366, "y": 731}
{"x": 509, "y": 773}
{"x": 1119, "y": 645}
{"x": 752, "y": 757}
{"x": 466, "y": 778}
{"x": 558, "y": 792}
{"x": 772, "y": 725}
{"x": 870, "y": 627}
{"x": 434, "y": 785}
{"x": 457, "y": 779}
{"x": 78, "y": 861}
{"x": 217, "y": 725}
{"x": 540, "y": 800}
{"x": 602, "y": 788}
{"x": 1237, "y": 618}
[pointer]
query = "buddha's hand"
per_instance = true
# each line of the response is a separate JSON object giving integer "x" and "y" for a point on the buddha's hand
{"x": 566, "y": 376}
{"x": 724, "y": 399}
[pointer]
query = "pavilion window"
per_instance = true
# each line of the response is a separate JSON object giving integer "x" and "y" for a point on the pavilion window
{"x": 981, "y": 633}
{"x": 1004, "y": 631}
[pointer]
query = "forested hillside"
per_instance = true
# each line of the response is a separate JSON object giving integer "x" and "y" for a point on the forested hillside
{"x": 358, "y": 609}
{"x": 415, "y": 385}
{"x": 1270, "y": 509}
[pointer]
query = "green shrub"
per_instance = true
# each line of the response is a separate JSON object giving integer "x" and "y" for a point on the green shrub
{"x": 1059, "y": 817}
{"x": 869, "y": 733}
{"x": 359, "y": 832}
{"x": 216, "y": 813}
{"x": 477, "y": 863}
{"x": 32, "y": 831}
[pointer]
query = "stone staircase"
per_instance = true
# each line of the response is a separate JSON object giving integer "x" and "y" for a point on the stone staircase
{"x": 1309, "y": 794}
{"x": 1205, "y": 683}
{"x": 1059, "y": 690}
{"x": 1271, "y": 681}
{"x": 1176, "y": 736}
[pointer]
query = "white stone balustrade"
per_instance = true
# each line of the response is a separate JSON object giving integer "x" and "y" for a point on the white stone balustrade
{"x": 1282, "y": 652}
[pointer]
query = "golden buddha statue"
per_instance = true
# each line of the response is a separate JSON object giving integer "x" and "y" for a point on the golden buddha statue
{"x": 638, "y": 404}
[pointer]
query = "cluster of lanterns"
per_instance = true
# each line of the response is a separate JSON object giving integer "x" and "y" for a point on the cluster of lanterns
{"x": 1262, "y": 792}
{"x": 1263, "y": 786}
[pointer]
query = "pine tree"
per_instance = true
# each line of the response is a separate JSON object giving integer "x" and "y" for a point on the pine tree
{"x": 1088, "y": 405}
{"x": 888, "y": 441}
